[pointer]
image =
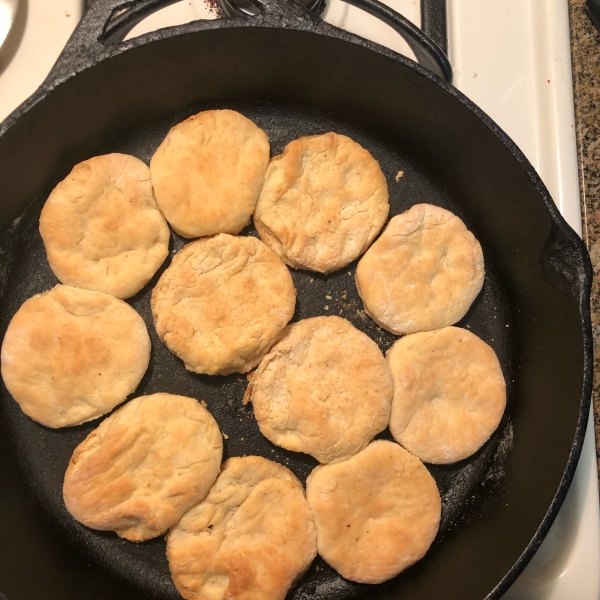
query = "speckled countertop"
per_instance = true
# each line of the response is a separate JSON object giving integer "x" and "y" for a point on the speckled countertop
{"x": 585, "y": 45}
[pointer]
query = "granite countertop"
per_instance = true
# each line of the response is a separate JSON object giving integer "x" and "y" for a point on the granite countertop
{"x": 585, "y": 46}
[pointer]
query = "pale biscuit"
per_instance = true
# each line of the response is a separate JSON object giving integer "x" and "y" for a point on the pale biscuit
{"x": 71, "y": 355}
{"x": 144, "y": 466}
{"x": 376, "y": 513}
{"x": 422, "y": 273}
{"x": 222, "y": 304}
{"x": 324, "y": 389}
{"x": 449, "y": 394}
{"x": 323, "y": 202}
{"x": 252, "y": 538}
{"x": 102, "y": 228}
{"x": 208, "y": 172}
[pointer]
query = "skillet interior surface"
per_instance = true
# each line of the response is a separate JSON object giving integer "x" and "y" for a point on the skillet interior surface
{"x": 291, "y": 84}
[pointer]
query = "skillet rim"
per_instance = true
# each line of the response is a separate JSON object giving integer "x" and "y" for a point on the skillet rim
{"x": 75, "y": 60}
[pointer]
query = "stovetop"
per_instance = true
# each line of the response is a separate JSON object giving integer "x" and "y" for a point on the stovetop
{"x": 512, "y": 58}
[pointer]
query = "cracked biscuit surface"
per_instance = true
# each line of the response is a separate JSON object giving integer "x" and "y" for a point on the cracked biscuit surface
{"x": 376, "y": 513}
{"x": 222, "y": 303}
{"x": 422, "y": 273}
{"x": 144, "y": 466}
{"x": 208, "y": 172}
{"x": 70, "y": 355}
{"x": 449, "y": 394}
{"x": 323, "y": 202}
{"x": 102, "y": 228}
{"x": 323, "y": 389}
{"x": 252, "y": 537}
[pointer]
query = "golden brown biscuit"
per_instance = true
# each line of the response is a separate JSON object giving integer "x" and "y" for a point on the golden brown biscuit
{"x": 376, "y": 513}
{"x": 208, "y": 172}
{"x": 449, "y": 394}
{"x": 71, "y": 355}
{"x": 324, "y": 389}
{"x": 222, "y": 303}
{"x": 252, "y": 537}
{"x": 144, "y": 466}
{"x": 323, "y": 202}
{"x": 102, "y": 228}
{"x": 422, "y": 273}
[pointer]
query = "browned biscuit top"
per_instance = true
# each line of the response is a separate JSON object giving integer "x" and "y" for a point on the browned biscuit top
{"x": 251, "y": 538}
{"x": 102, "y": 228}
{"x": 422, "y": 273}
{"x": 449, "y": 393}
{"x": 222, "y": 303}
{"x": 144, "y": 466}
{"x": 376, "y": 513}
{"x": 323, "y": 202}
{"x": 208, "y": 172}
{"x": 70, "y": 355}
{"x": 324, "y": 389}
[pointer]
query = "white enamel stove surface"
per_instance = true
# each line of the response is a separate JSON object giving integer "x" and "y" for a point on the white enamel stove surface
{"x": 512, "y": 58}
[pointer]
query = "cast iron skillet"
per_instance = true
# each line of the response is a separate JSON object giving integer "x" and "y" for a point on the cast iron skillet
{"x": 295, "y": 75}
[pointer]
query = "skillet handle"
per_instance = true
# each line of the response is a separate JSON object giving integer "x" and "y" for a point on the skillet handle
{"x": 103, "y": 23}
{"x": 429, "y": 54}
{"x": 566, "y": 261}
{"x": 434, "y": 22}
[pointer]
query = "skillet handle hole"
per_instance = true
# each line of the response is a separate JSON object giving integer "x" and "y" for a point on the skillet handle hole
{"x": 135, "y": 18}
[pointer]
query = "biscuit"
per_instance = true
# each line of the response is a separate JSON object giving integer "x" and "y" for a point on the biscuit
{"x": 222, "y": 304}
{"x": 102, "y": 228}
{"x": 252, "y": 537}
{"x": 422, "y": 273}
{"x": 376, "y": 513}
{"x": 208, "y": 171}
{"x": 324, "y": 389}
{"x": 144, "y": 466}
{"x": 323, "y": 202}
{"x": 449, "y": 394}
{"x": 71, "y": 355}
